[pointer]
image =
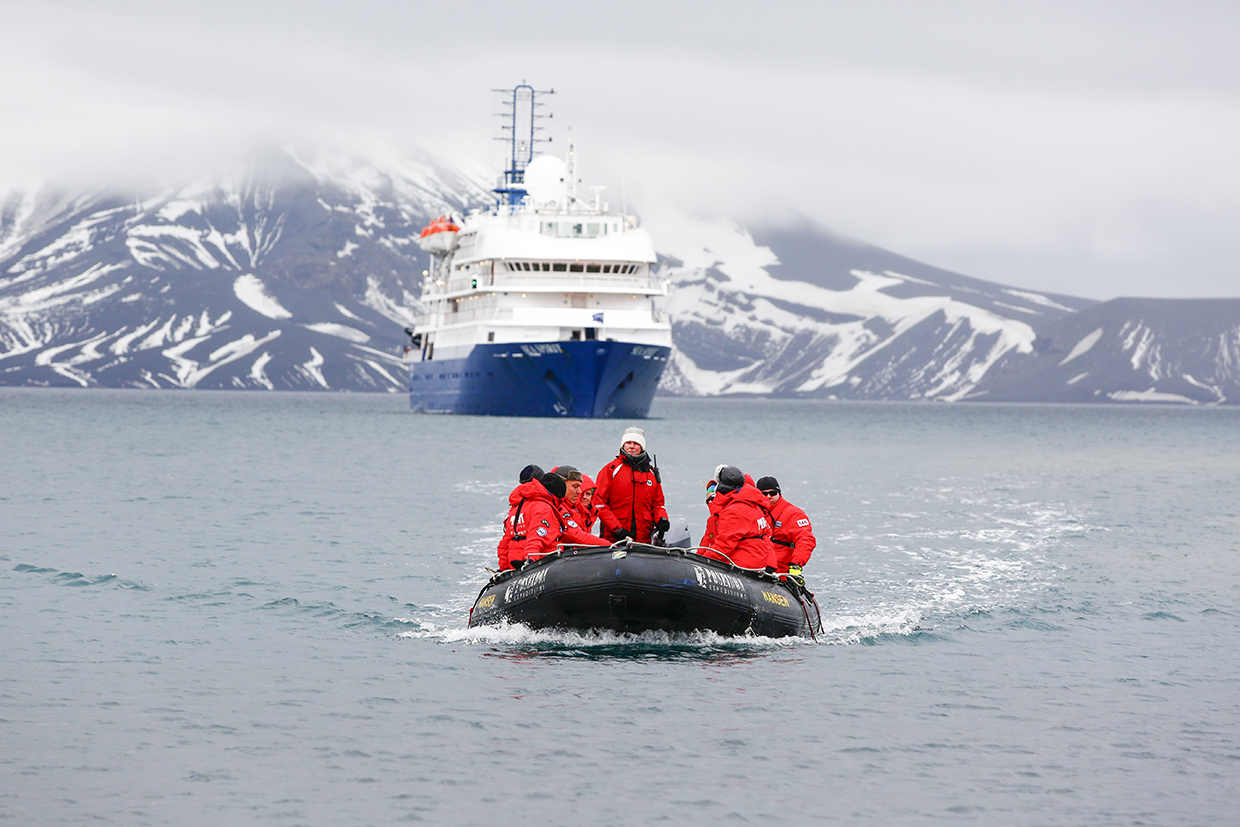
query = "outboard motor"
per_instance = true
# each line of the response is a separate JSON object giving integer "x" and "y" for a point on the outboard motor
{"x": 678, "y": 535}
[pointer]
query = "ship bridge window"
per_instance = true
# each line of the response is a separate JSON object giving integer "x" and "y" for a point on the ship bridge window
{"x": 572, "y": 229}
{"x": 592, "y": 268}
{"x": 546, "y": 267}
{"x": 575, "y": 268}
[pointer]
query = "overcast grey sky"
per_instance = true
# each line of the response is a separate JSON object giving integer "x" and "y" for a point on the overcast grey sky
{"x": 1082, "y": 147}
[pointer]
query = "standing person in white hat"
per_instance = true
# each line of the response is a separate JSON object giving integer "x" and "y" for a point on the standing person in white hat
{"x": 629, "y": 494}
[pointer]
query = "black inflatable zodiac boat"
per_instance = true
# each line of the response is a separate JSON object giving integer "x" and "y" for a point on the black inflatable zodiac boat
{"x": 641, "y": 588}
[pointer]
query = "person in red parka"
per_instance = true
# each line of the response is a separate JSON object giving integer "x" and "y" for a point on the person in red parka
{"x": 575, "y": 529}
{"x": 585, "y": 503}
{"x": 739, "y": 527}
{"x": 629, "y": 496}
{"x": 528, "y": 474}
{"x": 538, "y": 530}
{"x": 794, "y": 536}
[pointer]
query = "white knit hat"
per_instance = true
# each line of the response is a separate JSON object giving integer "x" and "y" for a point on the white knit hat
{"x": 634, "y": 435}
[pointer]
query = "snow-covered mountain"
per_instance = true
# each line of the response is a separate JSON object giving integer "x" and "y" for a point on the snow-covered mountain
{"x": 795, "y": 311}
{"x": 1129, "y": 350}
{"x": 288, "y": 271}
{"x": 299, "y": 269}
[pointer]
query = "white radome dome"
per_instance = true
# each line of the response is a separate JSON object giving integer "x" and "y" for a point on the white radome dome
{"x": 545, "y": 180}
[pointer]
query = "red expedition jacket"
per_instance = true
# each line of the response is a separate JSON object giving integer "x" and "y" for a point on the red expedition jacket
{"x": 585, "y": 516}
{"x": 539, "y": 530}
{"x": 575, "y": 529}
{"x": 514, "y": 499}
{"x": 794, "y": 536}
{"x": 629, "y": 499}
{"x": 740, "y": 527}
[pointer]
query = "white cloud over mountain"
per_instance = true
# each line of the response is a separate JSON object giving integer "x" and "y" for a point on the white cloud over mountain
{"x": 1083, "y": 148}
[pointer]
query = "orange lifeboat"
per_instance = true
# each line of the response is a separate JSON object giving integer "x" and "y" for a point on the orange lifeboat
{"x": 439, "y": 237}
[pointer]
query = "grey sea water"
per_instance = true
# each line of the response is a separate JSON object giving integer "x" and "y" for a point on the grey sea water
{"x": 249, "y": 608}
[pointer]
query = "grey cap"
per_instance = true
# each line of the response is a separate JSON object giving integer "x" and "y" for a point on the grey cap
{"x": 568, "y": 472}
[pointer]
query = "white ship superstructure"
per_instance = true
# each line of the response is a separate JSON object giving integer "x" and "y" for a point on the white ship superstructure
{"x": 545, "y": 277}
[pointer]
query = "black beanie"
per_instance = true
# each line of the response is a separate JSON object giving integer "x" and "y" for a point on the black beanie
{"x": 768, "y": 484}
{"x": 730, "y": 479}
{"x": 554, "y": 483}
{"x": 530, "y": 472}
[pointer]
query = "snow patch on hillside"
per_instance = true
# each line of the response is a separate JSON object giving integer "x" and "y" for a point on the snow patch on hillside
{"x": 1082, "y": 347}
{"x": 342, "y": 331}
{"x": 253, "y": 294}
{"x": 1150, "y": 395}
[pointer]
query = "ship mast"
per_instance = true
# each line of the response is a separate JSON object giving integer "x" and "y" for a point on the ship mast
{"x": 522, "y": 127}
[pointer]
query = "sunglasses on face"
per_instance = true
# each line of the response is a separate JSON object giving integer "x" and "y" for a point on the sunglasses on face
{"x": 771, "y": 493}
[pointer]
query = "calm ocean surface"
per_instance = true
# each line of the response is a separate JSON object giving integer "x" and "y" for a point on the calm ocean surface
{"x": 246, "y": 608}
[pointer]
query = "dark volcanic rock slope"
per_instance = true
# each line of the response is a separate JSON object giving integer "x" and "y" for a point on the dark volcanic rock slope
{"x": 291, "y": 272}
{"x": 1129, "y": 350}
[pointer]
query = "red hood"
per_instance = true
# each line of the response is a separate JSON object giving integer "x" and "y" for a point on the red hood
{"x": 526, "y": 490}
{"x": 537, "y": 491}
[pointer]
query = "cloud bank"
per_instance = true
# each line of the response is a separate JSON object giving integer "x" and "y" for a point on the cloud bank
{"x": 1079, "y": 148}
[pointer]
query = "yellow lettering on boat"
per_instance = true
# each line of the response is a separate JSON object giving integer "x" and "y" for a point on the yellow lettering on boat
{"x": 487, "y": 601}
{"x": 777, "y": 599}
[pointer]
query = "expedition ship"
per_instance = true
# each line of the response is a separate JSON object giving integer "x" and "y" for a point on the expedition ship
{"x": 543, "y": 304}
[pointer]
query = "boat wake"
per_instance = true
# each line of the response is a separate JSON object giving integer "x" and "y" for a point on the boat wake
{"x": 838, "y": 629}
{"x": 602, "y": 643}
{"x": 911, "y": 569}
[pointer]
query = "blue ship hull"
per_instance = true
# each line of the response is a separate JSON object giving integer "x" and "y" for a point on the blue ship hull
{"x": 589, "y": 379}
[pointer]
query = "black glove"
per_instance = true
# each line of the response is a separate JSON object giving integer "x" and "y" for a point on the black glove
{"x": 517, "y": 564}
{"x": 621, "y": 534}
{"x": 663, "y": 525}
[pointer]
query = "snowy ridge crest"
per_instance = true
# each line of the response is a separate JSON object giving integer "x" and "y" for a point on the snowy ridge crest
{"x": 833, "y": 330}
{"x": 291, "y": 271}
{"x": 1183, "y": 351}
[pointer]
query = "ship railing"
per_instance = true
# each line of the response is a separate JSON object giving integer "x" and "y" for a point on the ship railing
{"x": 464, "y": 316}
{"x": 482, "y": 313}
{"x": 580, "y": 282}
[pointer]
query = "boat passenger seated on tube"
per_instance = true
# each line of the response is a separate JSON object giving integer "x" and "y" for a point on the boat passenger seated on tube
{"x": 794, "y": 536}
{"x": 629, "y": 496}
{"x": 585, "y": 503}
{"x": 739, "y": 528}
{"x": 538, "y": 530}
{"x": 575, "y": 525}
{"x": 529, "y": 474}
